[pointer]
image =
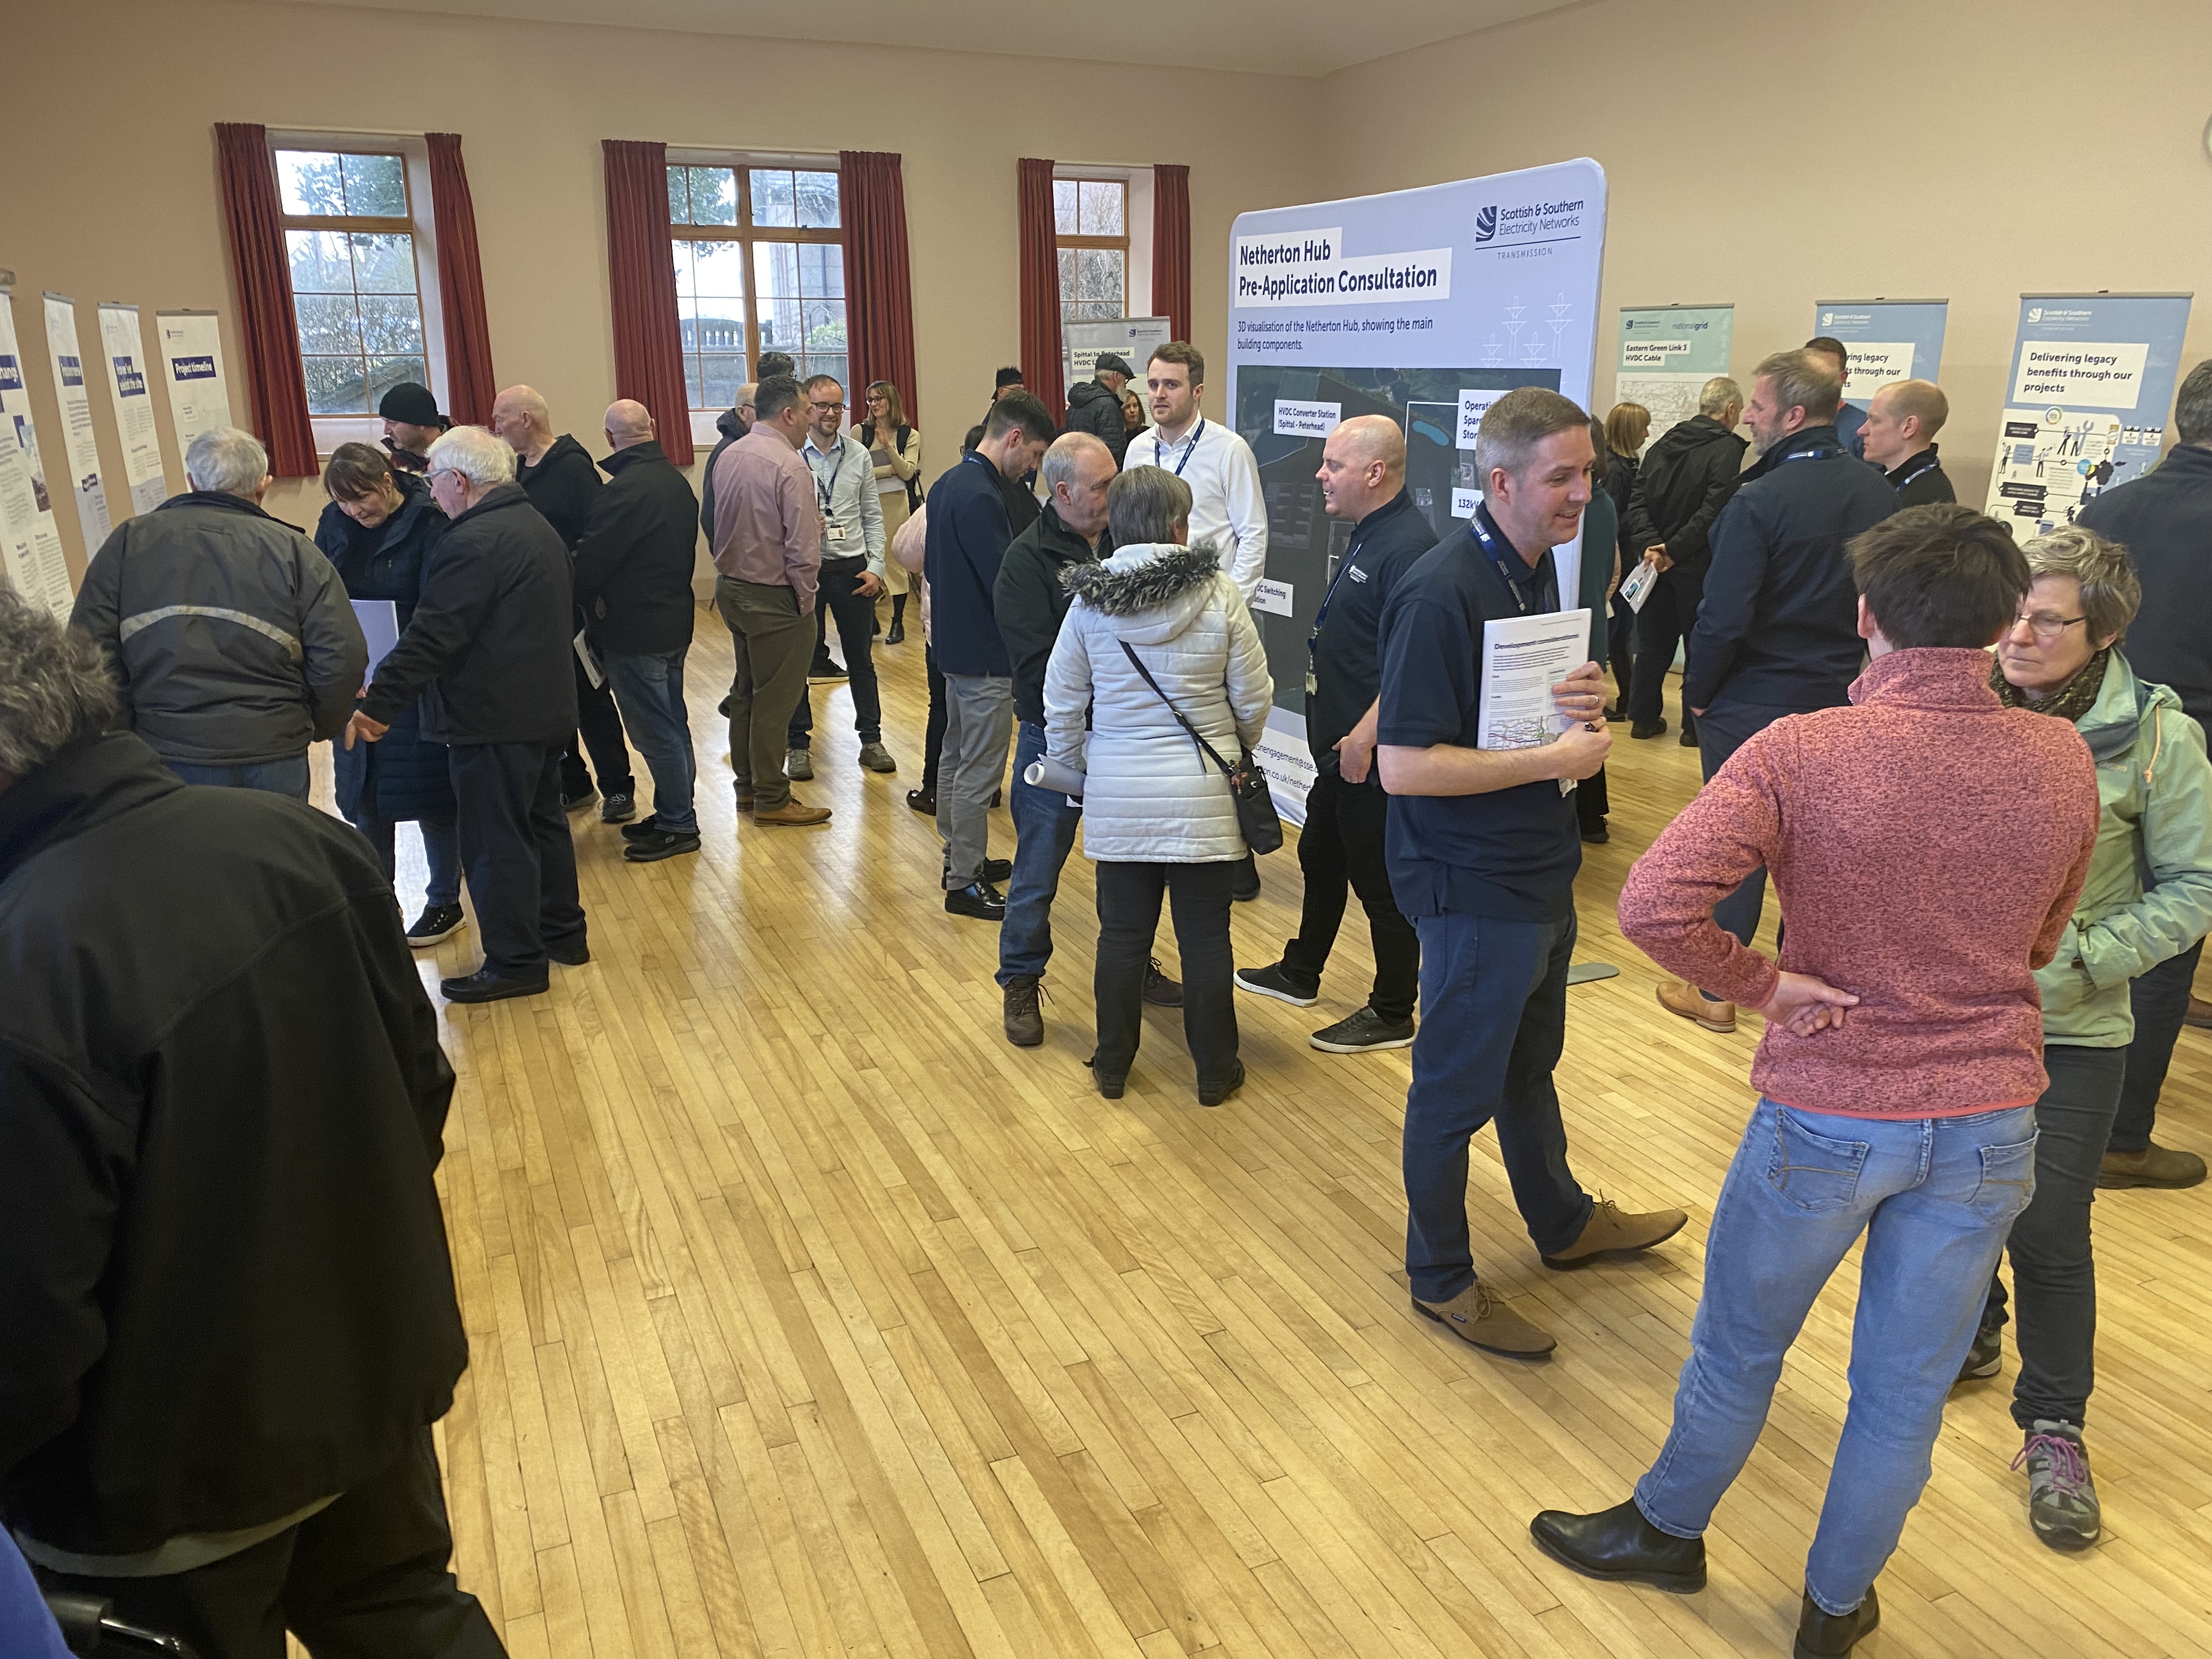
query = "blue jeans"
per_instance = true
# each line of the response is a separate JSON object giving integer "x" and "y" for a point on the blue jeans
{"x": 283, "y": 777}
{"x": 441, "y": 851}
{"x": 1494, "y": 1019}
{"x": 649, "y": 690}
{"x": 1044, "y": 835}
{"x": 1935, "y": 1198}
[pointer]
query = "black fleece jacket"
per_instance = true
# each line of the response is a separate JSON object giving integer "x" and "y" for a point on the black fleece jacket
{"x": 633, "y": 564}
{"x": 562, "y": 485}
{"x": 1686, "y": 478}
{"x": 1030, "y": 599}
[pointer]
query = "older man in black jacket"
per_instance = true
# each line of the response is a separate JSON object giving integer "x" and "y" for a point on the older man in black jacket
{"x": 1778, "y": 630}
{"x": 489, "y": 637}
{"x": 227, "y": 1311}
{"x": 1094, "y": 405}
{"x": 1689, "y": 475}
{"x": 634, "y": 566}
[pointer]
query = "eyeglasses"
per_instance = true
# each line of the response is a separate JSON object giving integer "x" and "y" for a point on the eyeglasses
{"x": 2047, "y": 629}
{"x": 825, "y": 409}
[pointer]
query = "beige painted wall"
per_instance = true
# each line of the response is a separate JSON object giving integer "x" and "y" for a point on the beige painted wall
{"x": 115, "y": 196}
{"x": 1778, "y": 155}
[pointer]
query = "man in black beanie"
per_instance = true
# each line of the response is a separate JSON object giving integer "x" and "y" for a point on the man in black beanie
{"x": 411, "y": 424}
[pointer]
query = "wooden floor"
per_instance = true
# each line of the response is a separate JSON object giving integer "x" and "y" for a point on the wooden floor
{"x": 810, "y": 1318}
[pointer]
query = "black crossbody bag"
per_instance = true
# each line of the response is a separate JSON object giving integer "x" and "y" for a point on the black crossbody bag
{"x": 1248, "y": 784}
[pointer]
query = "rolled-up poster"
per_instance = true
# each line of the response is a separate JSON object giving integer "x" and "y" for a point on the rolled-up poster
{"x": 1057, "y": 776}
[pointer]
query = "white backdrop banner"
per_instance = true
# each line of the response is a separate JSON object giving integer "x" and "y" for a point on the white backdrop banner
{"x": 1135, "y": 338}
{"x": 36, "y": 565}
{"x": 123, "y": 344}
{"x": 78, "y": 444}
{"x": 191, "y": 361}
{"x": 1667, "y": 353}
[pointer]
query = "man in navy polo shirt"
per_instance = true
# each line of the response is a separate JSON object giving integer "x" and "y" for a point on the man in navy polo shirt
{"x": 1484, "y": 849}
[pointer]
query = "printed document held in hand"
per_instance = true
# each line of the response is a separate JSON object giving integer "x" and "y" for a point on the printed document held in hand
{"x": 1635, "y": 586}
{"x": 1522, "y": 658}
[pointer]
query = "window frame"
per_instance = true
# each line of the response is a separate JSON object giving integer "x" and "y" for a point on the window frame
{"x": 1123, "y": 244}
{"x": 749, "y": 236}
{"x": 414, "y": 153}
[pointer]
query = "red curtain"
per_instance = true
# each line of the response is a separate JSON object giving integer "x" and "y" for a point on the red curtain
{"x": 276, "y": 388}
{"x": 469, "y": 385}
{"x": 1040, "y": 286}
{"x": 1172, "y": 247}
{"x": 878, "y": 283}
{"x": 642, "y": 282}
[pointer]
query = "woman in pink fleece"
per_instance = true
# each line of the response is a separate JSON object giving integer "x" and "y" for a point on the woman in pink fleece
{"x": 1929, "y": 844}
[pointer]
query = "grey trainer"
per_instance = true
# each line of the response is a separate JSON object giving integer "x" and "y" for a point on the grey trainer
{"x": 2062, "y": 1499}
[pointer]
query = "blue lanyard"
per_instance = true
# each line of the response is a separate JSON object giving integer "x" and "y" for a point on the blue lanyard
{"x": 1917, "y": 471}
{"x": 1498, "y": 562}
{"x": 1197, "y": 432}
{"x": 826, "y": 491}
{"x": 1819, "y": 452}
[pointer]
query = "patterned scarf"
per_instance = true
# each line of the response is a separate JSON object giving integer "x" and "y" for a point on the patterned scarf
{"x": 2068, "y": 702}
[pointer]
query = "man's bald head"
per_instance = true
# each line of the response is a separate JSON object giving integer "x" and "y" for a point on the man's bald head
{"x": 1903, "y": 419}
{"x": 628, "y": 422}
{"x": 521, "y": 417}
{"x": 1363, "y": 466}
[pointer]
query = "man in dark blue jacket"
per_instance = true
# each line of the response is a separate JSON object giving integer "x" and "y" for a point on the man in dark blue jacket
{"x": 492, "y": 631}
{"x": 1778, "y": 627}
{"x": 2164, "y": 518}
{"x": 968, "y": 534}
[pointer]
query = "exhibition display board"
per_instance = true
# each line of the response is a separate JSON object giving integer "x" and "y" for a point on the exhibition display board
{"x": 77, "y": 442}
{"x": 1135, "y": 338}
{"x": 36, "y": 567}
{"x": 1667, "y": 353}
{"x": 2093, "y": 377}
{"x": 1889, "y": 341}
{"x": 124, "y": 346}
{"x": 1423, "y": 306}
{"x": 191, "y": 363}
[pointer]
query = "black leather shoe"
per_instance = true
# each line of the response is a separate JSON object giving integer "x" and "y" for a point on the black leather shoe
{"x": 644, "y": 829}
{"x": 1212, "y": 1094}
{"x": 1830, "y": 1636}
{"x": 569, "y": 955}
{"x": 662, "y": 844}
{"x": 485, "y": 985}
{"x": 1620, "y": 1544}
{"x": 998, "y": 870}
{"x": 923, "y": 801}
{"x": 978, "y": 899}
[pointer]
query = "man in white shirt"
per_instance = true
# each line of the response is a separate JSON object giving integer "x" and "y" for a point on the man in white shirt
{"x": 1226, "y": 505}
{"x": 852, "y": 572}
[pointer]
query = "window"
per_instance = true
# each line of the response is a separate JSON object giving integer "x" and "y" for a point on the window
{"x": 1090, "y": 226}
{"x": 760, "y": 266}
{"x": 350, "y": 234}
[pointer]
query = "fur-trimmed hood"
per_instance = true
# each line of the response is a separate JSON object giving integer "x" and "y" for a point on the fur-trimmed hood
{"x": 1153, "y": 591}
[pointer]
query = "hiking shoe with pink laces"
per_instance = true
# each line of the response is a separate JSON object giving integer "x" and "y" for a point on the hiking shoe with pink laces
{"x": 2062, "y": 1500}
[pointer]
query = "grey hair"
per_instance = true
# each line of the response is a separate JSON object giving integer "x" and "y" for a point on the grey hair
{"x": 2111, "y": 594}
{"x": 1145, "y": 505}
{"x": 1803, "y": 380}
{"x": 55, "y": 687}
{"x": 228, "y": 460}
{"x": 474, "y": 453}
{"x": 2192, "y": 406}
{"x": 1719, "y": 393}
{"x": 1058, "y": 466}
{"x": 1513, "y": 426}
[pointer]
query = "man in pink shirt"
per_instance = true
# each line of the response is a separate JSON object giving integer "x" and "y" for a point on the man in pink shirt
{"x": 1929, "y": 844}
{"x": 768, "y": 552}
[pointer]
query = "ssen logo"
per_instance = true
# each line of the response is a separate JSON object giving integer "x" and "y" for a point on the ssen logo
{"x": 2035, "y": 314}
{"x": 1486, "y": 223}
{"x": 1827, "y": 320}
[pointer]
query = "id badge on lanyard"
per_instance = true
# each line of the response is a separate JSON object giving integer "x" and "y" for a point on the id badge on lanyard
{"x": 1498, "y": 563}
{"x": 1320, "y": 615}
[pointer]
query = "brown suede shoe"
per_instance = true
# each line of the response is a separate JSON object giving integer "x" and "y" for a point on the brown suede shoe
{"x": 1678, "y": 997}
{"x": 2154, "y": 1166}
{"x": 1474, "y": 1318}
{"x": 793, "y": 811}
{"x": 1612, "y": 1231}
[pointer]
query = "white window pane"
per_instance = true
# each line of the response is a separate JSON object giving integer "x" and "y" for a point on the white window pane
{"x": 321, "y": 262}
{"x": 720, "y": 268}
{"x": 721, "y": 374}
{"x": 695, "y": 396}
{"x": 336, "y": 385}
{"x": 1101, "y": 212}
{"x": 816, "y": 194}
{"x": 830, "y": 363}
{"x": 713, "y": 195}
{"x": 310, "y": 181}
{"x": 328, "y": 323}
{"x": 1066, "y": 220}
{"x": 775, "y": 270}
{"x": 712, "y": 325}
{"x": 824, "y": 321}
{"x": 821, "y": 270}
{"x": 391, "y": 324}
{"x": 384, "y": 264}
{"x": 684, "y": 283}
{"x": 679, "y": 199}
{"x": 385, "y": 372}
{"x": 1067, "y": 274}
{"x": 1098, "y": 274}
{"x": 772, "y": 199}
{"x": 375, "y": 187}
{"x": 780, "y": 326}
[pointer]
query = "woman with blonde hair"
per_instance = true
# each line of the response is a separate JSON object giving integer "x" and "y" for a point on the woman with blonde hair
{"x": 896, "y": 448}
{"x": 1624, "y": 430}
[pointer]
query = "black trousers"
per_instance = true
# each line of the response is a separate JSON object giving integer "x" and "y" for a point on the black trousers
{"x": 2054, "y": 1274}
{"x": 600, "y": 731}
{"x": 933, "y": 737}
{"x": 366, "y": 1578}
{"x": 1128, "y": 917}
{"x": 521, "y": 864}
{"x": 1666, "y": 621}
{"x": 1620, "y": 646}
{"x": 1342, "y": 844}
{"x": 2161, "y": 999}
{"x": 1592, "y": 801}
{"x": 855, "y": 616}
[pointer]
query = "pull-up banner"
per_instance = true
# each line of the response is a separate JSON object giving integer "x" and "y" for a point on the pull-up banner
{"x": 191, "y": 361}
{"x": 123, "y": 344}
{"x": 1134, "y": 337}
{"x": 1667, "y": 353}
{"x": 2093, "y": 377}
{"x": 1889, "y": 341}
{"x": 37, "y": 568}
{"x": 78, "y": 444}
{"x": 1423, "y": 306}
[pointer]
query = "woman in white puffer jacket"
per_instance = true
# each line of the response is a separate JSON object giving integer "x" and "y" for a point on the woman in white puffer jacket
{"x": 1157, "y": 816}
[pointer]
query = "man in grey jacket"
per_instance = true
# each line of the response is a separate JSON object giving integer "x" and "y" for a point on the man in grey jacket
{"x": 230, "y": 634}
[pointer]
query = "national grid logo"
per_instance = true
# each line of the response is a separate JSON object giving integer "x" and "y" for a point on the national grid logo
{"x": 1486, "y": 223}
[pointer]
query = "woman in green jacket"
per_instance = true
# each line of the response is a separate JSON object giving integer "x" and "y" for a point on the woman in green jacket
{"x": 2148, "y": 896}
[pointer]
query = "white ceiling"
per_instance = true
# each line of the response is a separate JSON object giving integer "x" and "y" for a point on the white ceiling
{"x": 1275, "y": 37}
